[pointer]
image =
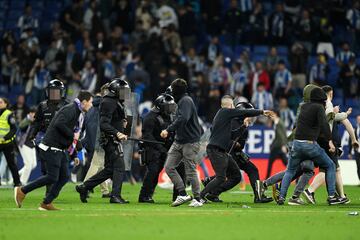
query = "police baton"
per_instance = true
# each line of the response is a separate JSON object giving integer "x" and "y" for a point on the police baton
{"x": 144, "y": 140}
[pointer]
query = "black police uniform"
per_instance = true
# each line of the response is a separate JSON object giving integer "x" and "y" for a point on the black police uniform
{"x": 112, "y": 117}
{"x": 155, "y": 154}
{"x": 43, "y": 116}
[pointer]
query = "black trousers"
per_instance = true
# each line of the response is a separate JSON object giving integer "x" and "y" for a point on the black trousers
{"x": 8, "y": 150}
{"x": 251, "y": 170}
{"x": 57, "y": 174}
{"x": 226, "y": 170}
{"x": 275, "y": 154}
{"x": 155, "y": 163}
{"x": 114, "y": 168}
{"x": 357, "y": 159}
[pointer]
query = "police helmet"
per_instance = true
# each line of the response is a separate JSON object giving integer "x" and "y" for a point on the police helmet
{"x": 165, "y": 103}
{"x": 120, "y": 88}
{"x": 55, "y": 90}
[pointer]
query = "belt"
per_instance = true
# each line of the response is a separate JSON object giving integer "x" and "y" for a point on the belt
{"x": 306, "y": 141}
{"x": 45, "y": 148}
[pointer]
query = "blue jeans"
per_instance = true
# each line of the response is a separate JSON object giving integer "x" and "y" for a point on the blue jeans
{"x": 302, "y": 151}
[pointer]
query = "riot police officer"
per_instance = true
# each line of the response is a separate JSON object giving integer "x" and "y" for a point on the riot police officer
{"x": 154, "y": 155}
{"x": 55, "y": 93}
{"x": 112, "y": 125}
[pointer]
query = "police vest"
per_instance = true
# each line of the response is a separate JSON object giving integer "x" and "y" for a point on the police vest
{"x": 5, "y": 126}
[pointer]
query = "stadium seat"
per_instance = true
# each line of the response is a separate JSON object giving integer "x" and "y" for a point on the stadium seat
{"x": 227, "y": 52}
{"x": 282, "y": 50}
{"x": 258, "y": 57}
{"x": 14, "y": 14}
{"x": 17, "y": 4}
{"x": 261, "y": 49}
{"x": 11, "y": 24}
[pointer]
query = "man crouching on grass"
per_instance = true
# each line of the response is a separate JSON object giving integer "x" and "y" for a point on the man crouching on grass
{"x": 60, "y": 139}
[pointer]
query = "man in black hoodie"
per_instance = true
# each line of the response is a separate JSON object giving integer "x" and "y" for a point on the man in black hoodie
{"x": 62, "y": 133}
{"x": 310, "y": 124}
{"x": 186, "y": 145}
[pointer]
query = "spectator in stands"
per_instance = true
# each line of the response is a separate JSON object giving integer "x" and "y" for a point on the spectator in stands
{"x": 232, "y": 24}
{"x": 123, "y": 18}
{"x": 246, "y": 8}
{"x": 305, "y": 30}
{"x": 72, "y": 18}
{"x": 91, "y": 19}
{"x": 192, "y": 61}
{"x": 261, "y": 98}
{"x": 260, "y": 76}
{"x": 166, "y": 15}
{"x": 8, "y": 38}
{"x": 88, "y": 77}
{"x": 239, "y": 80}
{"x": 41, "y": 77}
{"x": 353, "y": 20}
{"x": 144, "y": 16}
{"x": 247, "y": 66}
{"x": 8, "y": 65}
{"x": 30, "y": 38}
{"x": 51, "y": 58}
{"x": 72, "y": 61}
{"x": 286, "y": 114}
{"x": 256, "y": 25}
{"x": 277, "y": 26}
{"x": 187, "y": 26}
{"x": 109, "y": 70}
{"x": 200, "y": 92}
{"x": 271, "y": 62}
{"x": 319, "y": 71}
{"x": 101, "y": 43}
{"x": 350, "y": 79}
{"x": 298, "y": 62}
{"x": 171, "y": 39}
{"x": 343, "y": 57}
{"x": 283, "y": 80}
{"x": 27, "y": 20}
{"x": 325, "y": 38}
{"x": 20, "y": 109}
{"x": 211, "y": 12}
{"x": 213, "y": 49}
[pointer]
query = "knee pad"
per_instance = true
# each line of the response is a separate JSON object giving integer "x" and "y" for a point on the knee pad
{"x": 307, "y": 166}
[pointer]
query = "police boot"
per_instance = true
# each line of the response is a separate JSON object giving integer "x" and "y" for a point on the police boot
{"x": 118, "y": 200}
{"x": 146, "y": 200}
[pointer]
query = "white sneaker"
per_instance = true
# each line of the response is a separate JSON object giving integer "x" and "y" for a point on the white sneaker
{"x": 181, "y": 200}
{"x": 195, "y": 203}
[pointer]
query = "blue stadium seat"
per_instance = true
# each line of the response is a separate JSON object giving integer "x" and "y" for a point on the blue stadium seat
{"x": 261, "y": 49}
{"x": 227, "y": 52}
{"x": 258, "y": 57}
{"x": 15, "y": 14}
{"x": 282, "y": 50}
{"x": 358, "y": 61}
{"x": 11, "y": 24}
{"x": 351, "y": 102}
{"x": 17, "y": 4}
{"x": 37, "y": 4}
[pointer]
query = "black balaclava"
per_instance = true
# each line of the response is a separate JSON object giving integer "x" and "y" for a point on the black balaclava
{"x": 178, "y": 91}
{"x": 318, "y": 95}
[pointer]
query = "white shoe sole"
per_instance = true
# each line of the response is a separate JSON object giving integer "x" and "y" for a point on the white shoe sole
{"x": 175, "y": 204}
{"x": 42, "y": 209}
{"x": 295, "y": 204}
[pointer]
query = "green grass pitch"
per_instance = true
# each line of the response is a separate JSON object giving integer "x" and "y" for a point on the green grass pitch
{"x": 229, "y": 220}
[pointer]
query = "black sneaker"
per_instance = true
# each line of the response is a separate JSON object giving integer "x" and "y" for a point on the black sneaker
{"x": 296, "y": 201}
{"x": 146, "y": 200}
{"x": 213, "y": 198}
{"x": 263, "y": 199}
{"x": 118, "y": 200}
{"x": 345, "y": 200}
{"x": 309, "y": 196}
{"x": 335, "y": 200}
{"x": 259, "y": 188}
{"x": 280, "y": 201}
{"x": 83, "y": 193}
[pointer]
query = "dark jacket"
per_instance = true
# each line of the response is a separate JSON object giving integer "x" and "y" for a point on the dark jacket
{"x": 60, "y": 133}
{"x": 311, "y": 122}
{"x": 44, "y": 114}
{"x": 153, "y": 124}
{"x": 186, "y": 124}
{"x": 112, "y": 117}
{"x": 91, "y": 124}
{"x": 280, "y": 139}
{"x": 221, "y": 128}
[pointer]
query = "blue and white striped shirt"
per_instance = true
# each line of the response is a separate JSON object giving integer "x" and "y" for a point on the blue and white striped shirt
{"x": 282, "y": 78}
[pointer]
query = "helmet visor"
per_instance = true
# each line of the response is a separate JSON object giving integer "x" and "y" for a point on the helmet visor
{"x": 54, "y": 94}
{"x": 124, "y": 93}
